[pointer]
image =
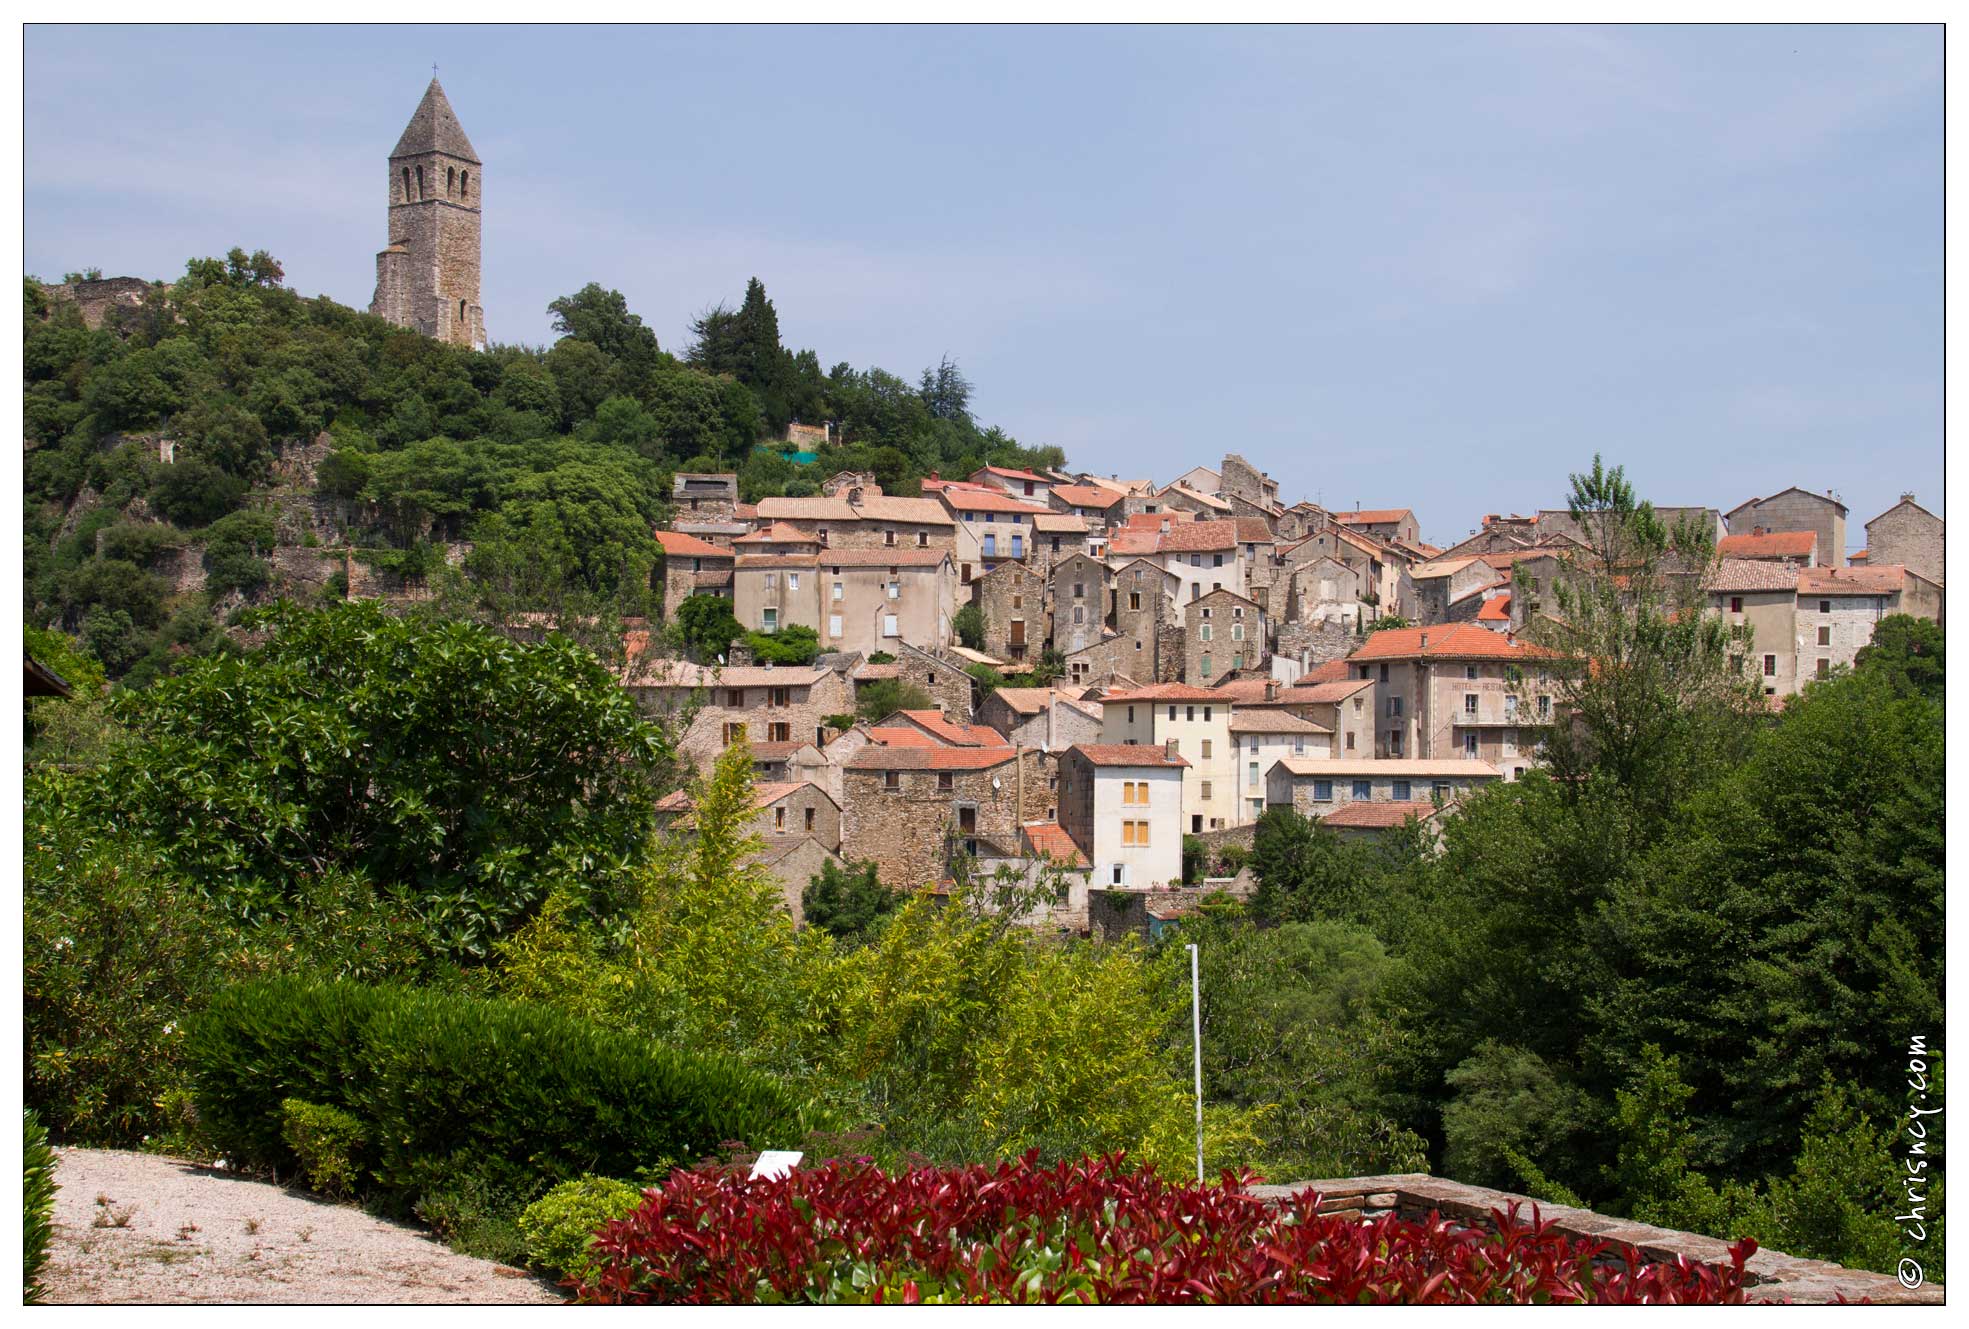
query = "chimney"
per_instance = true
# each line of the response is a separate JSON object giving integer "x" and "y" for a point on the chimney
{"x": 1169, "y": 749}
{"x": 1907, "y": 496}
{"x": 1425, "y": 641}
{"x": 1271, "y": 689}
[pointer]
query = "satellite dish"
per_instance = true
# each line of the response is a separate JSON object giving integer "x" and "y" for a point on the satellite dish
{"x": 996, "y": 784}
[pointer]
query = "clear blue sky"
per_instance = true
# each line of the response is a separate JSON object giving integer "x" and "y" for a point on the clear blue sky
{"x": 1423, "y": 267}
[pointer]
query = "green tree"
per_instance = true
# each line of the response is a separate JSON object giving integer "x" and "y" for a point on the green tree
{"x": 1908, "y": 650}
{"x": 848, "y": 903}
{"x": 707, "y": 626}
{"x": 461, "y": 772}
{"x": 601, "y": 318}
{"x": 887, "y": 696}
{"x": 794, "y": 644}
{"x": 969, "y": 625}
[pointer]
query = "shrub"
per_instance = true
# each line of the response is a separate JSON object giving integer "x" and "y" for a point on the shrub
{"x": 1092, "y": 1231}
{"x": 507, "y": 1094}
{"x": 561, "y": 1225}
{"x": 326, "y": 1141}
{"x": 37, "y": 1205}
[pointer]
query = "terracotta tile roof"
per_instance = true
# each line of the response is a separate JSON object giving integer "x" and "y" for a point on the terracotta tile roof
{"x": 881, "y": 558}
{"x": 1155, "y": 521}
{"x": 1008, "y": 474}
{"x": 778, "y": 533}
{"x": 677, "y": 543}
{"x": 1451, "y": 641}
{"x": 957, "y": 735}
{"x": 1330, "y": 672}
{"x": 1197, "y": 536}
{"x": 875, "y": 507}
{"x": 1050, "y": 839}
{"x": 1441, "y": 567}
{"x": 903, "y": 736}
{"x": 1378, "y": 816}
{"x": 1373, "y": 516}
{"x": 1126, "y": 754}
{"x": 1322, "y": 694}
{"x": 1858, "y": 555}
{"x": 1087, "y": 496}
{"x": 1497, "y": 609}
{"x": 877, "y": 757}
{"x": 745, "y": 511}
{"x": 1254, "y": 531}
{"x": 1060, "y": 523}
{"x": 969, "y": 499}
{"x": 765, "y": 793}
{"x": 1031, "y": 701}
{"x": 1132, "y": 543}
{"x": 865, "y": 670}
{"x": 1744, "y": 574}
{"x": 1272, "y": 720}
{"x": 770, "y": 752}
{"x": 1242, "y": 690}
{"x": 1769, "y": 544}
{"x": 1208, "y": 500}
{"x": 1166, "y": 692}
{"x": 1886, "y": 579}
{"x": 767, "y": 562}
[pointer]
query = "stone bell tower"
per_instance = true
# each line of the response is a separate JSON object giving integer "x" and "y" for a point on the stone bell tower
{"x": 428, "y": 276}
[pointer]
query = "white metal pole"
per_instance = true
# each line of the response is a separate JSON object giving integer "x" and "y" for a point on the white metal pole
{"x": 1196, "y": 1034}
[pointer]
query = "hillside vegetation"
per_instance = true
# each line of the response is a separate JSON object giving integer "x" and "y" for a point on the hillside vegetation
{"x": 499, "y": 481}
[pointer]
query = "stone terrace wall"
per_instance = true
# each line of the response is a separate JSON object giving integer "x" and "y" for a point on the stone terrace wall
{"x": 1773, "y": 1275}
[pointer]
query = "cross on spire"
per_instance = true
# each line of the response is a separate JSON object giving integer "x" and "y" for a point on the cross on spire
{"x": 434, "y": 69}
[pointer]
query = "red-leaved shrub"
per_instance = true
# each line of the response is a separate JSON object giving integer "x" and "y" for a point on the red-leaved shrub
{"x": 1092, "y": 1231}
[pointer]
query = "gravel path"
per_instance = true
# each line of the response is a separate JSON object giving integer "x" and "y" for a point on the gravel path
{"x": 177, "y": 1232}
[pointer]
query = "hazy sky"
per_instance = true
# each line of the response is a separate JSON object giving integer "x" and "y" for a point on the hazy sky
{"x": 1425, "y": 267}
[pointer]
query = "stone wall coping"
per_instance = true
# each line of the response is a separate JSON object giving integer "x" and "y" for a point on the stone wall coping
{"x": 1773, "y": 1275}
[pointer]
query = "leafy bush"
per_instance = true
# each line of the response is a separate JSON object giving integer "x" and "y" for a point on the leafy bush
{"x": 969, "y": 625}
{"x": 794, "y": 644}
{"x": 448, "y": 1086}
{"x": 560, "y": 1226}
{"x": 37, "y": 1205}
{"x": 326, "y": 1140}
{"x": 887, "y": 696}
{"x": 849, "y": 904}
{"x": 1092, "y": 1231}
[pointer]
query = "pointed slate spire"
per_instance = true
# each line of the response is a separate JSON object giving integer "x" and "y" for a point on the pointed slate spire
{"x": 435, "y": 128}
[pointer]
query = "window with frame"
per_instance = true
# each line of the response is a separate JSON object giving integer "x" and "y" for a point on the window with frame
{"x": 734, "y": 732}
{"x": 1322, "y": 791}
{"x": 1736, "y": 604}
{"x": 779, "y": 817}
{"x": 833, "y": 625}
{"x": 1469, "y": 745}
{"x": 772, "y": 581}
{"x": 895, "y": 588}
{"x": 779, "y": 732}
{"x": 840, "y": 590}
{"x": 889, "y": 628}
{"x": 1363, "y": 789}
{"x": 1469, "y": 703}
{"x": 1399, "y": 791}
{"x": 735, "y": 698}
{"x": 809, "y": 815}
{"x": 1770, "y": 666}
{"x": 792, "y": 581}
{"x": 1825, "y": 606}
{"x": 769, "y": 619}
{"x": 1825, "y": 636}
{"x": 892, "y": 780}
{"x": 889, "y": 539}
{"x": 945, "y": 781}
{"x": 779, "y": 696}
{"x": 1251, "y": 773}
{"x": 1544, "y": 707}
{"x": 1825, "y": 667}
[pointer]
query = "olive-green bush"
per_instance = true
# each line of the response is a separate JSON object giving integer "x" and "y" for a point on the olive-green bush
{"x": 37, "y": 1205}
{"x": 560, "y": 1226}
{"x": 328, "y": 1142}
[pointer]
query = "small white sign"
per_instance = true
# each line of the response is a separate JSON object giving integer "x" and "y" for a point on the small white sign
{"x": 775, "y": 1163}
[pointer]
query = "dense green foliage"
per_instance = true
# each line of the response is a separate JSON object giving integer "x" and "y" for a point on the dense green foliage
{"x": 886, "y": 696}
{"x": 37, "y": 1205}
{"x": 327, "y": 1143}
{"x": 462, "y": 773}
{"x": 560, "y": 1226}
{"x": 445, "y": 1086}
{"x": 848, "y": 904}
{"x": 552, "y": 465}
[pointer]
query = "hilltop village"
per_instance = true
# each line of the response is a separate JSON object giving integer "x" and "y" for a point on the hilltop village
{"x": 1202, "y": 650}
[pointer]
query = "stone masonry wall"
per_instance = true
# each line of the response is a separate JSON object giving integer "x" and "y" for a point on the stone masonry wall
{"x": 1316, "y": 643}
{"x": 1909, "y": 536}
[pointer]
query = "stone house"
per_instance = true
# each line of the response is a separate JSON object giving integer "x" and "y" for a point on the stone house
{"x": 1181, "y": 498}
{"x": 704, "y": 496}
{"x": 838, "y": 484}
{"x": 1222, "y": 631}
{"x": 1079, "y": 596}
{"x": 1445, "y": 582}
{"x": 1028, "y": 485}
{"x": 1453, "y": 692}
{"x": 1049, "y": 719}
{"x": 991, "y": 527}
{"x": 1057, "y": 536}
{"x": 864, "y": 600}
{"x": 1261, "y": 564}
{"x": 1320, "y": 589}
{"x": 1238, "y": 478}
{"x": 1265, "y": 735}
{"x": 952, "y": 690}
{"x": 739, "y": 703}
{"x": 1097, "y": 505}
{"x": 1012, "y": 598}
{"x": 911, "y": 810}
{"x": 1385, "y": 524}
{"x": 1199, "y": 478}
{"x": 692, "y": 567}
{"x": 1838, "y": 609}
{"x": 932, "y": 728}
{"x": 1314, "y": 788}
{"x": 1762, "y": 596}
{"x": 1198, "y": 722}
{"x": 1796, "y": 509}
{"x": 1907, "y": 535}
{"x": 865, "y": 518}
{"x": 1122, "y": 806}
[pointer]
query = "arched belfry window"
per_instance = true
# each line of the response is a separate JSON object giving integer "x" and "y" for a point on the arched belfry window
{"x": 420, "y": 182}
{"x": 461, "y": 311}
{"x": 450, "y": 180}
{"x": 406, "y": 184}
{"x": 465, "y": 184}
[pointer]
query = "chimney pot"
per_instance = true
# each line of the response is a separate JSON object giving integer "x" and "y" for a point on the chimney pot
{"x": 1271, "y": 689}
{"x": 1908, "y": 496}
{"x": 1169, "y": 748}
